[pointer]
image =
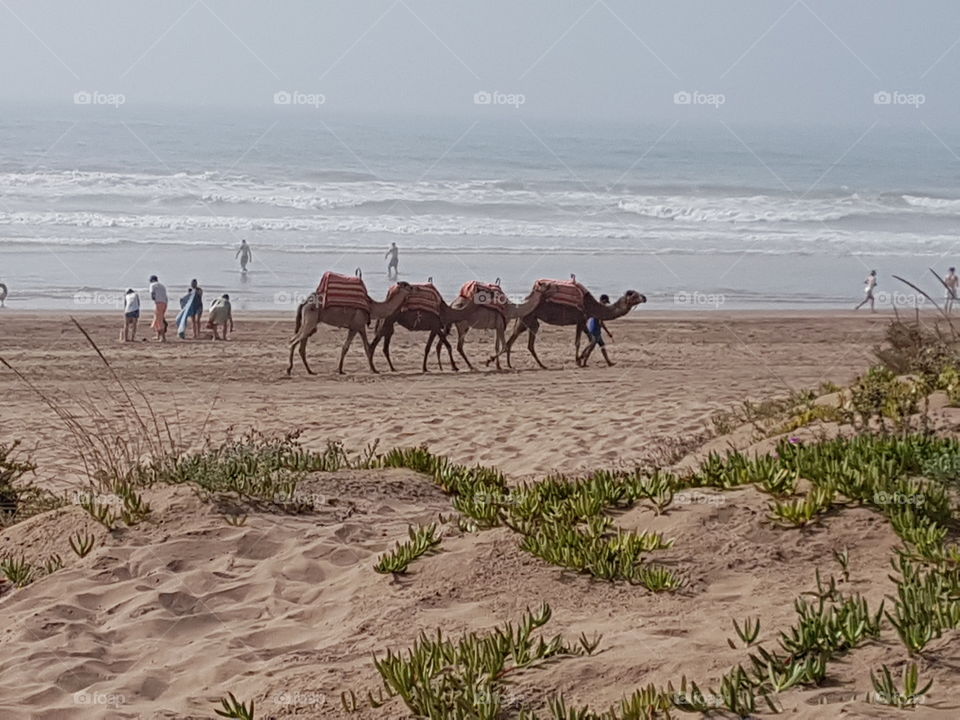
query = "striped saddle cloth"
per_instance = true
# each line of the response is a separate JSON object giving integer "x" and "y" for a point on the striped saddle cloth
{"x": 337, "y": 290}
{"x": 569, "y": 292}
{"x": 426, "y": 298}
{"x": 485, "y": 294}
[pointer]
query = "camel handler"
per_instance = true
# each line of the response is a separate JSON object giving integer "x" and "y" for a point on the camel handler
{"x": 595, "y": 329}
{"x": 221, "y": 315}
{"x": 158, "y": 293}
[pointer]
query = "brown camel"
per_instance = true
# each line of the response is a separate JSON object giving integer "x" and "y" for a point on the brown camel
{"x": 422, "y": 321}
{"x": 310, "y": 314}
{"x": 553, "y": 313}
{"x": 486, "y": 317}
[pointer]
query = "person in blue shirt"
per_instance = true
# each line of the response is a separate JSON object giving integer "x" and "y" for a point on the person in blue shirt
{"x": 595, "y": 329}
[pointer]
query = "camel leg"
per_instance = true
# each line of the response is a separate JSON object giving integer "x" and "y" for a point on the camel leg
{"x": 386, "y": 349}
{"x": 532, "y": 347}
{"x": 518, "y": 330}
{"x": 461, "y": 335}
{"x": 346, "y": 345}
{"x": 293, "y": 349}
{"x": 498, "y": 342}
{"x": 369, "y": 351}
{"x": 443, "y": 338}
{"x": 576, "y": 345}
{"x": 426, "y": 350}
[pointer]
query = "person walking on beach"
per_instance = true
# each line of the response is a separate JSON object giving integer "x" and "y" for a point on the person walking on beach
{"x": 191, "y": 308}
{"x": 158, "y": 293}
{"x": 595, "y": 329}
{"x": 394, "y": 254}
{"x": 221, "y": 316}
{"x": 245, "y": 254}
{"x": 951, "y": 281}
{"x": 868, "y": 285}
{"x": 131, "y": 315}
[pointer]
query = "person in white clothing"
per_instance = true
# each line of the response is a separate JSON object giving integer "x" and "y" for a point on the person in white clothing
{"x": 951, "y": 281}
{"x": 131, "y": 315}
{"x": 868, "y": 286}
{"x": 158, "y": 293}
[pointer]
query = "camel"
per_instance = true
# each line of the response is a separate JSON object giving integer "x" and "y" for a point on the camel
{"x": 553, "y": 313}
{"x": 486, "y": 317}
{"x": 421, "y": 321}
{"x": 310, "y": 314}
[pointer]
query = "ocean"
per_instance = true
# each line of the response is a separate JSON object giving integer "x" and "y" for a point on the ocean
{"x": 96, "y": 199}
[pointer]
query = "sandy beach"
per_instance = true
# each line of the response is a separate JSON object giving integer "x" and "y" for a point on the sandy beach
{"x": 163, "y": 619}
{"x": 673, "y": 370}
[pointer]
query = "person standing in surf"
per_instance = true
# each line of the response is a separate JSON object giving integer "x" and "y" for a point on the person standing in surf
{"x": 951, "y": 281}
{"x": 868, "y": 286}
{"x": 394, "y": 254}
{"x": 245, "y": 254}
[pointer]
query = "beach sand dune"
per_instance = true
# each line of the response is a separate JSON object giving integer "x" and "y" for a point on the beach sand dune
{"x": 163, "y": 619}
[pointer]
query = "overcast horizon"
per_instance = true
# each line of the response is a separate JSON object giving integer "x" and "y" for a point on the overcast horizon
{"x": 761, "y": 62}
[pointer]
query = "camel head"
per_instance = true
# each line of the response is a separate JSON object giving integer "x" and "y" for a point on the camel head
{"x": 402, "y": 289}
{"x": 632, "y": 298}
{"x": 546, "y": 290}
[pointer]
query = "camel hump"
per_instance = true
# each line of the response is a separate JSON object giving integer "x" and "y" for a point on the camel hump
{"x": 563, "y": 292}
{"x": 337, "y": 290}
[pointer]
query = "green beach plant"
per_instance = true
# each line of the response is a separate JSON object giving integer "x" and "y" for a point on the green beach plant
{"x": 423, "y": 540}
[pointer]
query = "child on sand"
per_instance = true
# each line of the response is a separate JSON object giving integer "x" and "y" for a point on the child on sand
{"x": 221, "y": 316}
{"x": 595, "y": 329}
{"x": 131, "y": 315}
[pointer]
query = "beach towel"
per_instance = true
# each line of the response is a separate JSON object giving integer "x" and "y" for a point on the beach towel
{"x": 485, "y": 294}
{"x": 337, "y": 290}
{"x": 186, "y": 304}
{"x": 426, "y": 299}
{"x": 569, "y": 292}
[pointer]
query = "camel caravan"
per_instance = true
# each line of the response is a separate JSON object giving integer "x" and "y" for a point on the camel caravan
{"x": 343, "y": 302}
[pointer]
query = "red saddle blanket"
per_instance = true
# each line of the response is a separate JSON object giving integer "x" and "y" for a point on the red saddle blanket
{"x": 569, "y": 292}
{"x": 485, "y": 294}
{"x": 337, "y": 290}
{"x": 426, "y": 298}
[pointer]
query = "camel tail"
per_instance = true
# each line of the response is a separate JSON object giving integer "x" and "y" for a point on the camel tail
{"x": 296, "y": 329}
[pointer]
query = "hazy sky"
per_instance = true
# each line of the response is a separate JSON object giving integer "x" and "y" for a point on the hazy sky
{"x": 764, "y": 60}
